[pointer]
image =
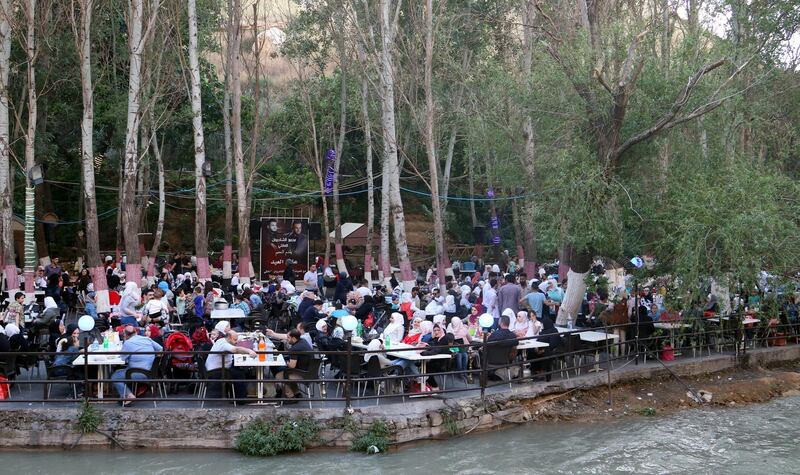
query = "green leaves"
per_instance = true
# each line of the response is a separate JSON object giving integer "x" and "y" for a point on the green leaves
{"x": 266, "y": 438}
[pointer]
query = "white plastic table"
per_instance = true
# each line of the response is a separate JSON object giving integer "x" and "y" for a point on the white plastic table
{"x": 594, "y": 337}
{"x": 227, "y": 314}
{"x": 415, "y": 355}
{"x": 101, "y": 359}
{"x": 250, "y": 362}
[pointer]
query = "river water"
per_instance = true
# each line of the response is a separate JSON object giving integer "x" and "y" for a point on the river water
{"x": 747, "y": 440}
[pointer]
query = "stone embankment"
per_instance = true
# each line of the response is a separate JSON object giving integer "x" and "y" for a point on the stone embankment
{"x": 634, "y": 390}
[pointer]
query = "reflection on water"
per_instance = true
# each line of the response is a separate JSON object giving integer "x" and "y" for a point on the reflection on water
{"x": 755, "y": 439}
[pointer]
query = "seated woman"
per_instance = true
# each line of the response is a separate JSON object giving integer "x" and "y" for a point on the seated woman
{"x": 521, "y": 325}
{"x": 440, "y": 344}
{"x": 68, "y": 347}
{"x": 460, "y": 337}
{"x": 16, "y": 341}
{"x": 426, "y": 333}
{"x": 395, "y": 330}
{"x": 414, "y": 333}
{"x": 51, "y": 313}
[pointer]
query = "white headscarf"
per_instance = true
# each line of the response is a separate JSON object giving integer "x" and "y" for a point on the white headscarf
{"x": 509, "y": 313}
{"x": 132, "y": 290}
{"x": 374, "y": 345}
{"x": 405, "y": 297}
{"x": 450, "y": 304}
{"x": 439, "y": 319}
{"x": 395, "y": 330}
{"x": 496, "y": 269}
{"x": 517, "y": 325}
{"x": 426, "y": 327}
{"x": 49, "y": 303}
{"x": 321, "y": 325}
{"x": 11, "y": 330}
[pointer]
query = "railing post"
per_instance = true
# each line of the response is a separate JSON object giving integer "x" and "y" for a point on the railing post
{"x": 484, "y": 363}
{"x": 348, "y": 368}
{"x": 85, "y": 373}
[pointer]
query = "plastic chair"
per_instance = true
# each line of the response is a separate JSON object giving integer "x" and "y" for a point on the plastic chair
{"x": 308, "y": 374}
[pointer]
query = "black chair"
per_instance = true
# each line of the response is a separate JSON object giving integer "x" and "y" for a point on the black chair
{"x": 311, "y": 373}
{"x": 59, "y": 374}
{"x": 356, "y": 370}
{"x": 374, "y": 370}
{"x": 153, "y": 373}
{"x": 500, "y": 357}
{"x": 8, "y": 368}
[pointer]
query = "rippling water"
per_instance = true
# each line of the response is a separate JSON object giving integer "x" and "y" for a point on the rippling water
{"x": 748, "y": 440}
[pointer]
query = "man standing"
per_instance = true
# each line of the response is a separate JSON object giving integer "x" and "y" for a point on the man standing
{"x": 134, "y": 343}
{"x": 509, "y": 295}
{"x": 310, "y": 278}
{"x": 53, "y": 268}
{"x": 535, "y": 298}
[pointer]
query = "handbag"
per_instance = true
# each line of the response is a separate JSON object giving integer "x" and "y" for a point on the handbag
{"x": 3, "y": 388}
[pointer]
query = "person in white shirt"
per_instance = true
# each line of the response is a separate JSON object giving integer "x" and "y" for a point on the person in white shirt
{"x": 490, "y": 298}
{"x": 310, "y": 278}
{"x": 216, "y": 362}
{"x": 287, "y": 287}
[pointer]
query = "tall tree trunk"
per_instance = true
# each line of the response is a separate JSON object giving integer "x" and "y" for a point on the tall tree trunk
{"x": 385, "y": 265}
{"x": 337, "y": 215}
{"x": 151, "y": 265}
{"x": 93, "y": 258}
{"x": 200, "y": 229}
{"x": 6, "y": 191}
{"x": 443, "y": 266}
{"x": 227, "y": 249}
{"x": 242, "y": 197}
{"x": 388, "y": 30}
{"x": 579, "y": 266}
{"x": 30, "y": 152}
{"x": 527, "y": 214}
{"x": 130, "y": 215}
{"x": 370, "y": 179}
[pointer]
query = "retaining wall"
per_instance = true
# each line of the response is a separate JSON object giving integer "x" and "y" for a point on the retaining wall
{"x": 417, "y": 419}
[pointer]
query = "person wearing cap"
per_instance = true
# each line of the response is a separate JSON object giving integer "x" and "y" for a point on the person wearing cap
{"x": 312, "y": 314}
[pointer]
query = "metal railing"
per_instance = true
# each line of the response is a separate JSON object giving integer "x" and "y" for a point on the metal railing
{"x": 351, "y": 375}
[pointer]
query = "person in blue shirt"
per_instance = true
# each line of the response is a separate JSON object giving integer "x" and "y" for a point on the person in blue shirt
{"x": 134, "y": 343}
{"x": 90, "y": 307}
{"x": 535, "y": 299}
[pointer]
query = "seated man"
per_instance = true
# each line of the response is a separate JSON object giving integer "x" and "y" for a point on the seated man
{"x": 295, "y": 361}
{"x": 312, "y": 313}
{"x": 134, "y": 343}
{"x": 301, "y": 327}
{"x": 500, "y": 354}
{"x": 216, "y": 362}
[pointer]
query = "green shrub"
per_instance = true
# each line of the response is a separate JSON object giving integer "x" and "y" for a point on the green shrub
{"x": 89, "y": 419}
{"x": 647, "y": 411}
{"x": 266, "y": 438}
{"x": 376, "y": 437}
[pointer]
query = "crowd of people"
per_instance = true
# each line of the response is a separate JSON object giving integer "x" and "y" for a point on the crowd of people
{"x": 174, "y": 312}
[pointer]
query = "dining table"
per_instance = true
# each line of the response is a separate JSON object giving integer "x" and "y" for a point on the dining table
{"x": 247, "y": 361}
{"x": 104, "y": 359}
